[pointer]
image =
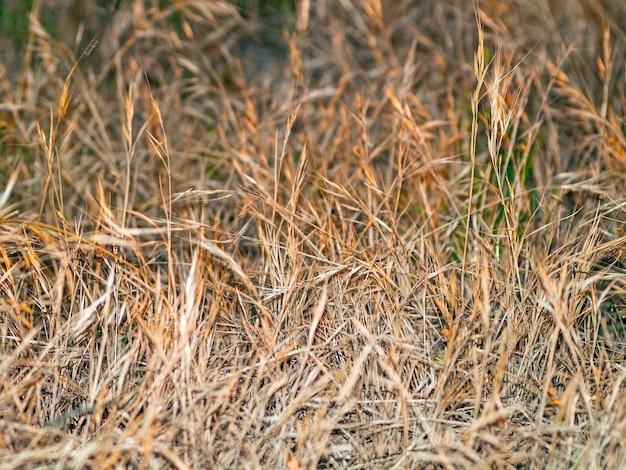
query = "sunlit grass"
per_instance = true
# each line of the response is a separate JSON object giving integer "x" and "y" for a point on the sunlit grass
{"x": 356, "y": 235}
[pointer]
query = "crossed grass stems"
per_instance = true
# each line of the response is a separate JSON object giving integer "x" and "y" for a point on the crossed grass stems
{"x": 352, "y": 263}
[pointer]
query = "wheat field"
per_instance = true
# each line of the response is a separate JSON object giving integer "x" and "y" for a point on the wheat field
{"x": 313, "y": 234}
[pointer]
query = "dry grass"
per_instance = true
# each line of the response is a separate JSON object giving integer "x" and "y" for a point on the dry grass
{"x": 367, "y": 234}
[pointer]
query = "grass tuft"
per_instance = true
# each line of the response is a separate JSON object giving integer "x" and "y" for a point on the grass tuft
{"x": 356, "y": 234}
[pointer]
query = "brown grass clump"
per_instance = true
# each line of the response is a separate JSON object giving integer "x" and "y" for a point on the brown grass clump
{"x": 354, "y": 234}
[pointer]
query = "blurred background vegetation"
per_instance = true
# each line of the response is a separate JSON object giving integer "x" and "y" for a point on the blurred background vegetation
{"x": 77, "y": 22}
